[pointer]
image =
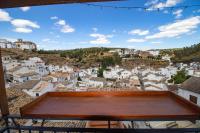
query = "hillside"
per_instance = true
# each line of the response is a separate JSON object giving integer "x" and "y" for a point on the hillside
{"x": 83, "y": 58}
{"x": 187, "y": 54}
{"x": 23, "y": 55}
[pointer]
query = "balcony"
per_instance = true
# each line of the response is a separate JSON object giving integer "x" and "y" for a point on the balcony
{"x": 104, "y": 112}
{"x": 96, "y": 111}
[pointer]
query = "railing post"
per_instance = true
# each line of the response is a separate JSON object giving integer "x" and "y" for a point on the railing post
{"x": 3, "y": 97}
{"x": 109, "y": 124}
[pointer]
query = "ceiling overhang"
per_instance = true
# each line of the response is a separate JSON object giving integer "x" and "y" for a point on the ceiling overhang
{"x": 23, "y": 3}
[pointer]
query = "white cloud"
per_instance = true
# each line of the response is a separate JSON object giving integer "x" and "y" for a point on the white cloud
{"x": 139, "y": 32}
{"x": 100, "y": 38}
{"x": 178, "y": 13}
{"x": 24, "y": 9}
{"x": 24, "y": 26}
{"x": 65, "y": 28}
{"x": 136, "y": 40}
{"x": 4, "y": 16}
{"x": 61, "y": 22}
{"x": 95, "y": 29}
{"x": 156, "y": 4}
{"x": 24, "y": 23}
{"x": 23, "y": 30}
{"x": 151, "y": 2}
{"x": 176, "y": 29}
{"x": 156, "y": 42}
{"x": 54, "y": 17}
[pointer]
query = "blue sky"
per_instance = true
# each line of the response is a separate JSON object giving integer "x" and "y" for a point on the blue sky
{"x": 70, "y": 26}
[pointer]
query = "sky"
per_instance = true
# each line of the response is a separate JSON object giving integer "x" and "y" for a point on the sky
{"x": 70, "y": 26}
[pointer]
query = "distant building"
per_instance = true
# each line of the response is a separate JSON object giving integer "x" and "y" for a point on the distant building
{"x": 96, "y": 82}
{"x": 6, "y": 44}
{"x": 6, "y": 59}
{"x": 166, "y": 57}
{"x": 23, "y": 77}
{"x": 145, "y": 54}
{"x": 37, "y": 88}
{"x": 123, "y": 51}
{"x": 60, "y": 77}
{"x": 190, "y": 90}
{"x": 25, "y": 45}
{"x": 154, "y": 52}
{"x": 116, "y": 73}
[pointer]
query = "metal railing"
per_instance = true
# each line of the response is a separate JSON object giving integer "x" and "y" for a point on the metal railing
{"x": 12, "y": 125}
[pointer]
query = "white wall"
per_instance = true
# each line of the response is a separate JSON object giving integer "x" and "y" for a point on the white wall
{"x": 186, "y": 94}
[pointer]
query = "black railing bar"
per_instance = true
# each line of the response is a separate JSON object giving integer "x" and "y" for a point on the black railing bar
{"x": 3, "y": 129}
{"x": 108, "y": 124}
{"x": 66, "y": 129}
{"x": 7, "y": 124}
{"x": 104, "y": 119}
{"x": 132, "y": 124}
{"x": 15, "y": 123}
{"x": 42, "y": 124}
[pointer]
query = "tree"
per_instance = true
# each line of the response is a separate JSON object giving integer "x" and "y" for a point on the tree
{"x": 79, "y": 78}
{"x": 62, "y": 55}
{"x": 100, "y": 72}
{"x": 180, "y": 77}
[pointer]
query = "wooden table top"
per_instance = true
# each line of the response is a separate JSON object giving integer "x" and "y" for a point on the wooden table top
{"x": 111, "y": 106}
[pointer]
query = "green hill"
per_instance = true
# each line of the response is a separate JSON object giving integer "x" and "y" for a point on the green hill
{"x": 187, "y": 54}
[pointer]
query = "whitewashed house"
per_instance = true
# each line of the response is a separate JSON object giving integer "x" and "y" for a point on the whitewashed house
{"x": 40, "y": 88}
{"x": 6, "y": 44}
{"x": 23, "y": 77}
{"x": 190, "y": 71}
{"x": 190, "y": 90}
{"x": 60, "y": 77}
{"x": 66, "y": 68}
{"x": 35, "y": 59}
{"x": 25, "y": 45}
{"x": 41, "y": 68}
{"x": 197, "y": 73}
{"x": 154, "y": 52}
{"x": 96, "y": 82}
{"x": 124, "y": 74}
{"x": 168, "y": 71}
{"x": 22, "y": 74}
{"x": 166, "y": 57}
{"x": 134, "y": 81}
{"x": 6, "y": 59}
{"x": 116, "y": 73}
{"x": 53, "y": 68}
{"x": 82, "y": 73}
{"x": 92, "y": 71}
{"x": 29, "y": 64}
{"x": 119, "y": 51}
{"x": 153, "y": 77}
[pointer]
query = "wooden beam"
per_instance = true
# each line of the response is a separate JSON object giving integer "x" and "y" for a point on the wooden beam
{"x": 3, "y": 97}
{"x": 22, "y": 3}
